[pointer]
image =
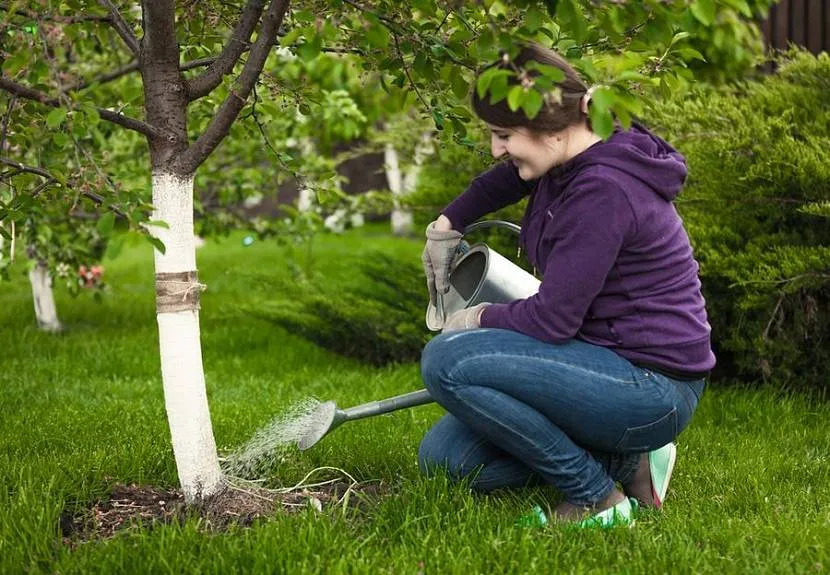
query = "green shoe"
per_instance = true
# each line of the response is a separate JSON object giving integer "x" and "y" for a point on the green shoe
{"x": 660, "y": 466}
{"x": 621, "y": 515}
{"x": 536, "y": 518}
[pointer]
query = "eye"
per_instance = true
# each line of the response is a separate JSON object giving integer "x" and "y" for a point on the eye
{"x": 503, "y": 137}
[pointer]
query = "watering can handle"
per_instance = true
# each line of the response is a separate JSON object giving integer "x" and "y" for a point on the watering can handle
{"x": 484, "y": 224}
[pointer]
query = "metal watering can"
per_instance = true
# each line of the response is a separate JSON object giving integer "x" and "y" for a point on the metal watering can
{"x": 480, "y": 274}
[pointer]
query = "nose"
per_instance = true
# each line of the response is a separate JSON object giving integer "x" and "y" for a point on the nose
{"x": 497, "y": 147}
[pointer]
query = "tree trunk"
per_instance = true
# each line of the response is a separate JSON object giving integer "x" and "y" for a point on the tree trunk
{"x": 402, "y": 184}
{"x": 45, "y": 310}
{"x": 177, "y": 297}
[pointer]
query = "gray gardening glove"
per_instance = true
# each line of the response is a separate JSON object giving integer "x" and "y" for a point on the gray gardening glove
{"x": 465, "y": 318}
{"x": 437, "y": 258}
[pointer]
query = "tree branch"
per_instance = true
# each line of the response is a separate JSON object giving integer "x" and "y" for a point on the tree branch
{"x": 50, "y": 179}
{"x": 104, "y": 78}
{"x": 132, "y": 67}
{"x": 238, "y": 43}
{"x": 121, "y": 26}
{"x": 219, "y": 127}
{"x": 55, "y": 18}
{"x": 114, "y": 117}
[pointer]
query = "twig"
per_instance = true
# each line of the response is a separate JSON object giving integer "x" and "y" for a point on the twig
{"x": 6, "y": 119}
{"x": 772, "y": 318}
{"x": 122, "y": 27}
{"x": 408, "y": 76}
{"x": 820, "y": 275}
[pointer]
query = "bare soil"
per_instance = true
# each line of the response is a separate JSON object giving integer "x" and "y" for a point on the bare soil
{"x": 135, "y": 507}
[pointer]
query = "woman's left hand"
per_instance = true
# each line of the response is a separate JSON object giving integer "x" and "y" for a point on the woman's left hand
{"x": 469, "y": 318}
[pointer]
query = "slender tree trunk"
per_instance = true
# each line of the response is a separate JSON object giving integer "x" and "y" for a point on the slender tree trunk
{"x": 402, "y": 184}
{"x": 177, "y": 291}
{"x": 45, "y": 310}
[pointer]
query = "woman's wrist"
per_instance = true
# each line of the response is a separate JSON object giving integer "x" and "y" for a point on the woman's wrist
{"x": 443, "y": 224}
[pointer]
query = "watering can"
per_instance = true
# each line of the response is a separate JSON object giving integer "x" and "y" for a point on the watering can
{"x": 479, "y": 274}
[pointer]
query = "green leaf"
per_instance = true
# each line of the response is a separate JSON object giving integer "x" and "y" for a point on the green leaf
{"x": 534, "y": 19}
{"x": 602, "y": 123}
{"x": 690, "y": 54}
{"x": 460, "y": 87}
{"x": 114, "y": 246}
{"x": 532, "y": 104}
{"x": 678, "y": 37}
{"x": 378, "y": 36}
{"x": 487, "y": 77}
{"x": 704, "y": 11}
{"x": 515, "y": 97}
{"x": 158, "y": 224}
{"x": 311, "y": 49}
{"x": 498, "y": 89}
{"x": 11, "y": 66}
{"x": 157, "y": 243}
{"x": 55, "y": 118}
{"x": 551, "y": 72}
{"x": 602, "y": 98}
{"x": 105, "y": 223}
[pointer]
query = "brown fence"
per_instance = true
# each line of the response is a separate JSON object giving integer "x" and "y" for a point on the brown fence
{"x": 802, "y": 22}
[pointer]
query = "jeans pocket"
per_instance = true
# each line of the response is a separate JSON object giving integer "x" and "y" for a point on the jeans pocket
{"x": 651, "y": 436}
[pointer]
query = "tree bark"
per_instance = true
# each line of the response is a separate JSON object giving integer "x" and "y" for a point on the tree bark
{"x": 185, "y": 396}
{"x": 45, "y": 311}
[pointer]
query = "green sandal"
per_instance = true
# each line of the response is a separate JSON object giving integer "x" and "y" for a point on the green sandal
{"x": 622, "y": 514}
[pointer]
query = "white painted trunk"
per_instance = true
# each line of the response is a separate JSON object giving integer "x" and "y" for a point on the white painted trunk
{"x": 45, "y": 310}
{"x": 306, "y": 199}
{"x": 402, "y": 184}
{"x": 185, "y": 396}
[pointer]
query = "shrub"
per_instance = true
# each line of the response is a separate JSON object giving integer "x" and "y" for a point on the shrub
{"x": 378, "y": 321}
{"x": 755, "y": 206}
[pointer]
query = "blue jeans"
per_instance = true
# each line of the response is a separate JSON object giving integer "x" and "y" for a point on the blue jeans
{"x": 522, "y": 411}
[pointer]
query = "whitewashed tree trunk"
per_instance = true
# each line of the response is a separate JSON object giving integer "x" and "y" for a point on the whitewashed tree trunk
{"x": 306, "y": 199}
{"x": 402, "y": 184}
{"x": 185, "y": 396}
{"x": 45, "y": 310}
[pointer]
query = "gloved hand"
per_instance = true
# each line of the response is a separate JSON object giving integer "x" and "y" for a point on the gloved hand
{"x": 465, "y": 318}
{"x": 437, "y": 258}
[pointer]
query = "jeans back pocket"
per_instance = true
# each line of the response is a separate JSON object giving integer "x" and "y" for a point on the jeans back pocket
{"x": 650, "y": 436}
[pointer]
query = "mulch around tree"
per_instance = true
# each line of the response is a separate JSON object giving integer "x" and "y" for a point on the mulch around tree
{"x": 135, "y": 507}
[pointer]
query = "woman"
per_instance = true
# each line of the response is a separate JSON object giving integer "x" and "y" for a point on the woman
{"x": 587, "y": 383}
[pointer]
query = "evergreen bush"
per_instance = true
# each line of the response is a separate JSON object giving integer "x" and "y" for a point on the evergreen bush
{"x": 756, "y": 206}
{"x": 377, "y": 321}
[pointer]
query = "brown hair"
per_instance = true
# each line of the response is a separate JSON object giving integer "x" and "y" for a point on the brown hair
{"x": 554, "y": 116}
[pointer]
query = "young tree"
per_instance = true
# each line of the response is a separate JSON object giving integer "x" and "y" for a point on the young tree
{"x": 174, "y": 158}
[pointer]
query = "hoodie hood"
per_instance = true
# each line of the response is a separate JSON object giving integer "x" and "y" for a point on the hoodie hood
{"x": 636, "y": 152}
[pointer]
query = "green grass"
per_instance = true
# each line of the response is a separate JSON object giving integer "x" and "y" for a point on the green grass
{"x": 84, "y": 409}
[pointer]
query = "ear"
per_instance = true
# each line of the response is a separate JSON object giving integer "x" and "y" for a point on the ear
{"x": 583, "y": 103}
{"x": 586, "y": 100}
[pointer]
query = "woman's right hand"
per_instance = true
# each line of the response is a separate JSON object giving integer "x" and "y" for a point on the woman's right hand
{"x": 438, "y": 255}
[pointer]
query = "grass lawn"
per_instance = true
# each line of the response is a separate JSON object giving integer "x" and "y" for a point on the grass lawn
{"x": 83, "y": 410}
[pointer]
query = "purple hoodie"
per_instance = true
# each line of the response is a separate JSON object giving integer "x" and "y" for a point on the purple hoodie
{"x": 618, "y": 269}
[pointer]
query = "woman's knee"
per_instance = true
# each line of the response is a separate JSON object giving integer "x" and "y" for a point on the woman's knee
{"x": 450, "y": 446}
{"x": 436, "y": 361}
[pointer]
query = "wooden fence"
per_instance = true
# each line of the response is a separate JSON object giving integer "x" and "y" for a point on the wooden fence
{"x": 802, "y": 22}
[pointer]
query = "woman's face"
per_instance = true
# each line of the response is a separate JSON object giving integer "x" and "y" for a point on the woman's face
{"x": 532, "y": 154}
